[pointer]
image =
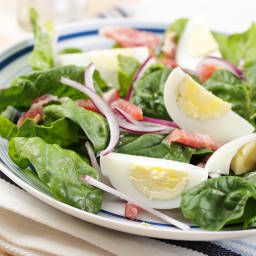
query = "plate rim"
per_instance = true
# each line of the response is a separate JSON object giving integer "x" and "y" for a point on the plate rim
{"x": 116, "y": 224}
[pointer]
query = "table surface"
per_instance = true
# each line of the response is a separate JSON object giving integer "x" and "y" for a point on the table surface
{"x": 12, "y": 32}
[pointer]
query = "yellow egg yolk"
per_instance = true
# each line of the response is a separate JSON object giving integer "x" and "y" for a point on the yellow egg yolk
{"x": 201, "y": 43}
{"x": 199, "y": 103}
{"x": 158, "y": 183}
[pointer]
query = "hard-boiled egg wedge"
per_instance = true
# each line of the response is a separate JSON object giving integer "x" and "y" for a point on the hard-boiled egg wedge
{"x": 156, "y": 182}
{"x": 105, "y": 61}
{"x": 196, "y": 42}
{"x": 238, "y": 155}
{"x": 194, "y": 108}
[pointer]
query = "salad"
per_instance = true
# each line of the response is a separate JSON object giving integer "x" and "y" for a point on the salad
{"x": 161, "y": 122}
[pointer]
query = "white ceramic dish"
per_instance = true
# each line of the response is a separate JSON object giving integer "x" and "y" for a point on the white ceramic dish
{"x": 14, "y": 62}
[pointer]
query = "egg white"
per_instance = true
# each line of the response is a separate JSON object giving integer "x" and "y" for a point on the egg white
{"x": 117, "y": 167}
{"x": 220, "y": 160}
{"x": 105, "y": 61}
{"x": 183, "y": 56}
{"x": 222, "y": 129}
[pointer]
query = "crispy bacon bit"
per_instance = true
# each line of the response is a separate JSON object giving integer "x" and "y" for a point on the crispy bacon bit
{"x": 128, "y": 37}
{"x": 35, "y": 114}
{"x": 203, "y": 163}
{"x": 134, "y": 111}
{"x": 36, "y": 110}
{"x": 169, "y": 45}
{"x": 170, "y": 63}
{"x": 88, "y": 104}
{"x": 196, "y": 140}
{"x": 131, "y": 211}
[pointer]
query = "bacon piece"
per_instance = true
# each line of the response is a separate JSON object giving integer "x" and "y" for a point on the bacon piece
{"x": 169, "y": 45}
{"x": 36, "y": 110}
{"x": 134, "y": 111}
{"x": 35, "y": 113}
{"x": 88, "y": 104}
{"x": 128, "y": 37}
{"x": 206, "y": 72}
{"x": 131, "y": 211}
{"x": 204, "y": 161}
{"x": 196, "y": 140}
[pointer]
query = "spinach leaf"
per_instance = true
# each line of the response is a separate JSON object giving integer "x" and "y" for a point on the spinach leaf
{"x": 250, "y": 177}
{"x": 148, "y": 92}
{"x": 63, "y": 131}
{"x": 156, "y": 145}
{"x": 24, "y": 89}
{"x": 8, "y": 129}
{"x": 127, "y": 70}
{"x": 242, "y": 95}
{"x": 178, "y": 27}
{"x": 219, "y": 201}
{"x": 60, "y": 170}
{"x": 238, "y": 46}
{"x": 93, "y": 124}
{"x": 70, "y": 50}
{"x": 42, "y": 56}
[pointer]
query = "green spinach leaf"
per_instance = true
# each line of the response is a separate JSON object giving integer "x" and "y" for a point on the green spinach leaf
{"x": 127, "y": 70}
{"x": 156, "y": 145}
{"x": 42, "y": 55}
{"x": 93, "y": 124}
{"x": 178, "y": 27}
{"x": 63, "y": 131}
{"x": 70, "y": 50}
{"x": 60, "y": 170}
{"x": 242, "y": 95}
{"x": 24, "y": 89}
{"x": 148, "y": 92}
{"x": 238, "y": 46}
{"x": 219, "y": 201}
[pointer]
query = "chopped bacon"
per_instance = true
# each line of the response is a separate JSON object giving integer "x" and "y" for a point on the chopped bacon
{"x": 134, "y": 111}
{"x": 36, "y": 110}
{"x": 111, "y": 96}
{"x": 206, "y": 72}
{"x": 131, "y": 211}
{"x": 88, "y": 104}
{"x": 128, "y": 37}
{"x": 35, "y": 114}
{"x": 169, "y": 45}
{"x": 170, "y": 63}
{"x": 196, "y": 140}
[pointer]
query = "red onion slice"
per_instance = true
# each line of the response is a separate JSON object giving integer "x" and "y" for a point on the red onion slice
{"x": 160, "y": 121}
{"x": 88, "y": 76}
{"x": 127, "y": 198}
{"x": 138, "y": 74}
{"x": 142, "y": 129}
{"x": 125, "y": 116}
{"x": 92, "y": 157}
{"x": 104, "y": 109}
{"x": 219, "y": 62}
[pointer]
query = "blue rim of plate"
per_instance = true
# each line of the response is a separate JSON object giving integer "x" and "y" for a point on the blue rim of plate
{"x": 12, "y": 57}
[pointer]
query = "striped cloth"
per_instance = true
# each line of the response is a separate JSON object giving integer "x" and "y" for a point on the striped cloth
{"x": 246, "y": 247}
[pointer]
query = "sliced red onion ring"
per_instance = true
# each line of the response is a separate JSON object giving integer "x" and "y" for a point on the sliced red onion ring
{"x": 103, "y": 107}
{"x": 191, "y": 72}
{"x": 125, "y": 116}
{"x": 88, "y": 76}
{"x": 91, "y": 155}
{"x": 127, "y": 198}
{"x": 142, "y": 129}
{"x": 219, "y": 62}
{"x": 136, "y": 77}
{"x": 159, "y": 121}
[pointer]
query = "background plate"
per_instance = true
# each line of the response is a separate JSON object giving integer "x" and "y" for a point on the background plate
{"x": 14, "y": 62}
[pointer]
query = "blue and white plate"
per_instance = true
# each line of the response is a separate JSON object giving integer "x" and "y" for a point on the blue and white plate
{"x": 14, "y": 62}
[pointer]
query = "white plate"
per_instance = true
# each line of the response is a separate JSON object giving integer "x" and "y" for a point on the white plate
{"x": 14, "y": 62}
